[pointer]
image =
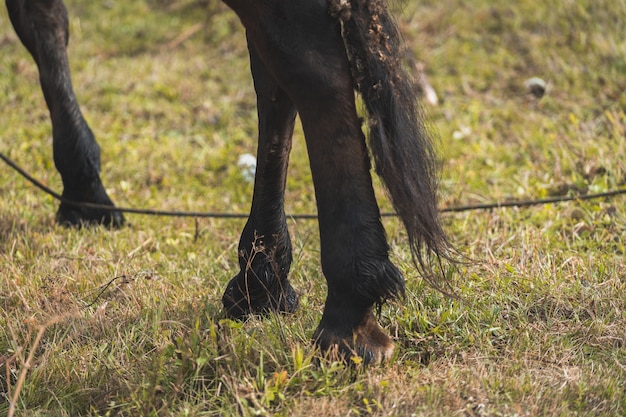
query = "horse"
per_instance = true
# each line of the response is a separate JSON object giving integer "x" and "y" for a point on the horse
{"x": 308, "y": 58}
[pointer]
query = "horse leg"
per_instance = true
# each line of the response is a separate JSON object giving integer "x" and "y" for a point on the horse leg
{"x": 302, "y": 47}
{"x": 42, "y": 26}
{"x": 354, "y": 249}
{"x": 265, "y": 248}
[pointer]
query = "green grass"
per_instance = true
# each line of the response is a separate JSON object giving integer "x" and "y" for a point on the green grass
{"x": 540, "y": 328}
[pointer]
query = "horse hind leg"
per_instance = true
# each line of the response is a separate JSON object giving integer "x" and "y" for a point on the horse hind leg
{"x": 354, "y": 249}
{"x": 307, "y": 57}
{"x": 265, "y": 248}
{"x": 42, "y": 26}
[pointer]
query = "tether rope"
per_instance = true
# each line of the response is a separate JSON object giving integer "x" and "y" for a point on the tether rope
{"x": 221, "y": 215}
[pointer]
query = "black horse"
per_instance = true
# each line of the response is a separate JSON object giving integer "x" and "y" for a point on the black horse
{"x": 307, "y": 57}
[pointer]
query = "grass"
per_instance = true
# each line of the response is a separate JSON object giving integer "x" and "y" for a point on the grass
{"x": 540, "y": 328}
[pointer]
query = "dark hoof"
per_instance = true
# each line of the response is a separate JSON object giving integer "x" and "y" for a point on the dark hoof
{"x": 75, "y": 216}
{"x": 366, "y": 343}
{"x": 245, "y": 295}
{"x": 79, "y": 217}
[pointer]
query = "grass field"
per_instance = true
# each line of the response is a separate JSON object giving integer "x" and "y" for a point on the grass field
{"x": 540, "y": 328}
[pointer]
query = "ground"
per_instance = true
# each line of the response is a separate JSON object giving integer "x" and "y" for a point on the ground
{"x": 540, "y": 325}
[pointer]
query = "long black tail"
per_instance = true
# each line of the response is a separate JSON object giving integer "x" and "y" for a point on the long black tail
{"x": 402, "y": 148}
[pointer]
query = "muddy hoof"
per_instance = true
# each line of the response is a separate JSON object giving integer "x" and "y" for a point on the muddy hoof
{"x": 365, "y": 343}
{"x": 245, "y": 296}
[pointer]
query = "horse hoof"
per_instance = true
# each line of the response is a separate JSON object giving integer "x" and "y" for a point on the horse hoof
{"x": 366, "y": 344}
{"x": 243, "y": 298}
{"x": 75, "y": 216}
{"x": 71, "y": 216}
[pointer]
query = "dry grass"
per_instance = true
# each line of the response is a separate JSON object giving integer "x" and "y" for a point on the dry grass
{"x": 540, "y": 328}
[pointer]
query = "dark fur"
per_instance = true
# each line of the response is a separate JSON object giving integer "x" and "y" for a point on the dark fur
{"x": 401, "y": 146}
{"x": 43, "y": 28}
{"x": 306, "y": 57}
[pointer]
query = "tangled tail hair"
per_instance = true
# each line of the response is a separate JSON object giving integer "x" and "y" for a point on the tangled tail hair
{"x": 399, "y": 142}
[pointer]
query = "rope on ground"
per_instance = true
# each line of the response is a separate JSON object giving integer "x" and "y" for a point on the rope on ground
{"x": 221, "y": 215}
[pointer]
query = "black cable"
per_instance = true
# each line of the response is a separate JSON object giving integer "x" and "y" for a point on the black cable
{"x": 174, "y": 213}
{"x": 529, "y": 203}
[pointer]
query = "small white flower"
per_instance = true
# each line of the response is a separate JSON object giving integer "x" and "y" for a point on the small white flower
{"x": 462, "y": 133}
{"x": 247, "y": 164}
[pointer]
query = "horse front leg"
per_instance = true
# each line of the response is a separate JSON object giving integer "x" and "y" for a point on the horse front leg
{"x": 265, "y": 248}
{"x": 42, "y": 26}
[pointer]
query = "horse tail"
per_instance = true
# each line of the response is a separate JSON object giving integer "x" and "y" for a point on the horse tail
{"x": 401, "y": 146}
